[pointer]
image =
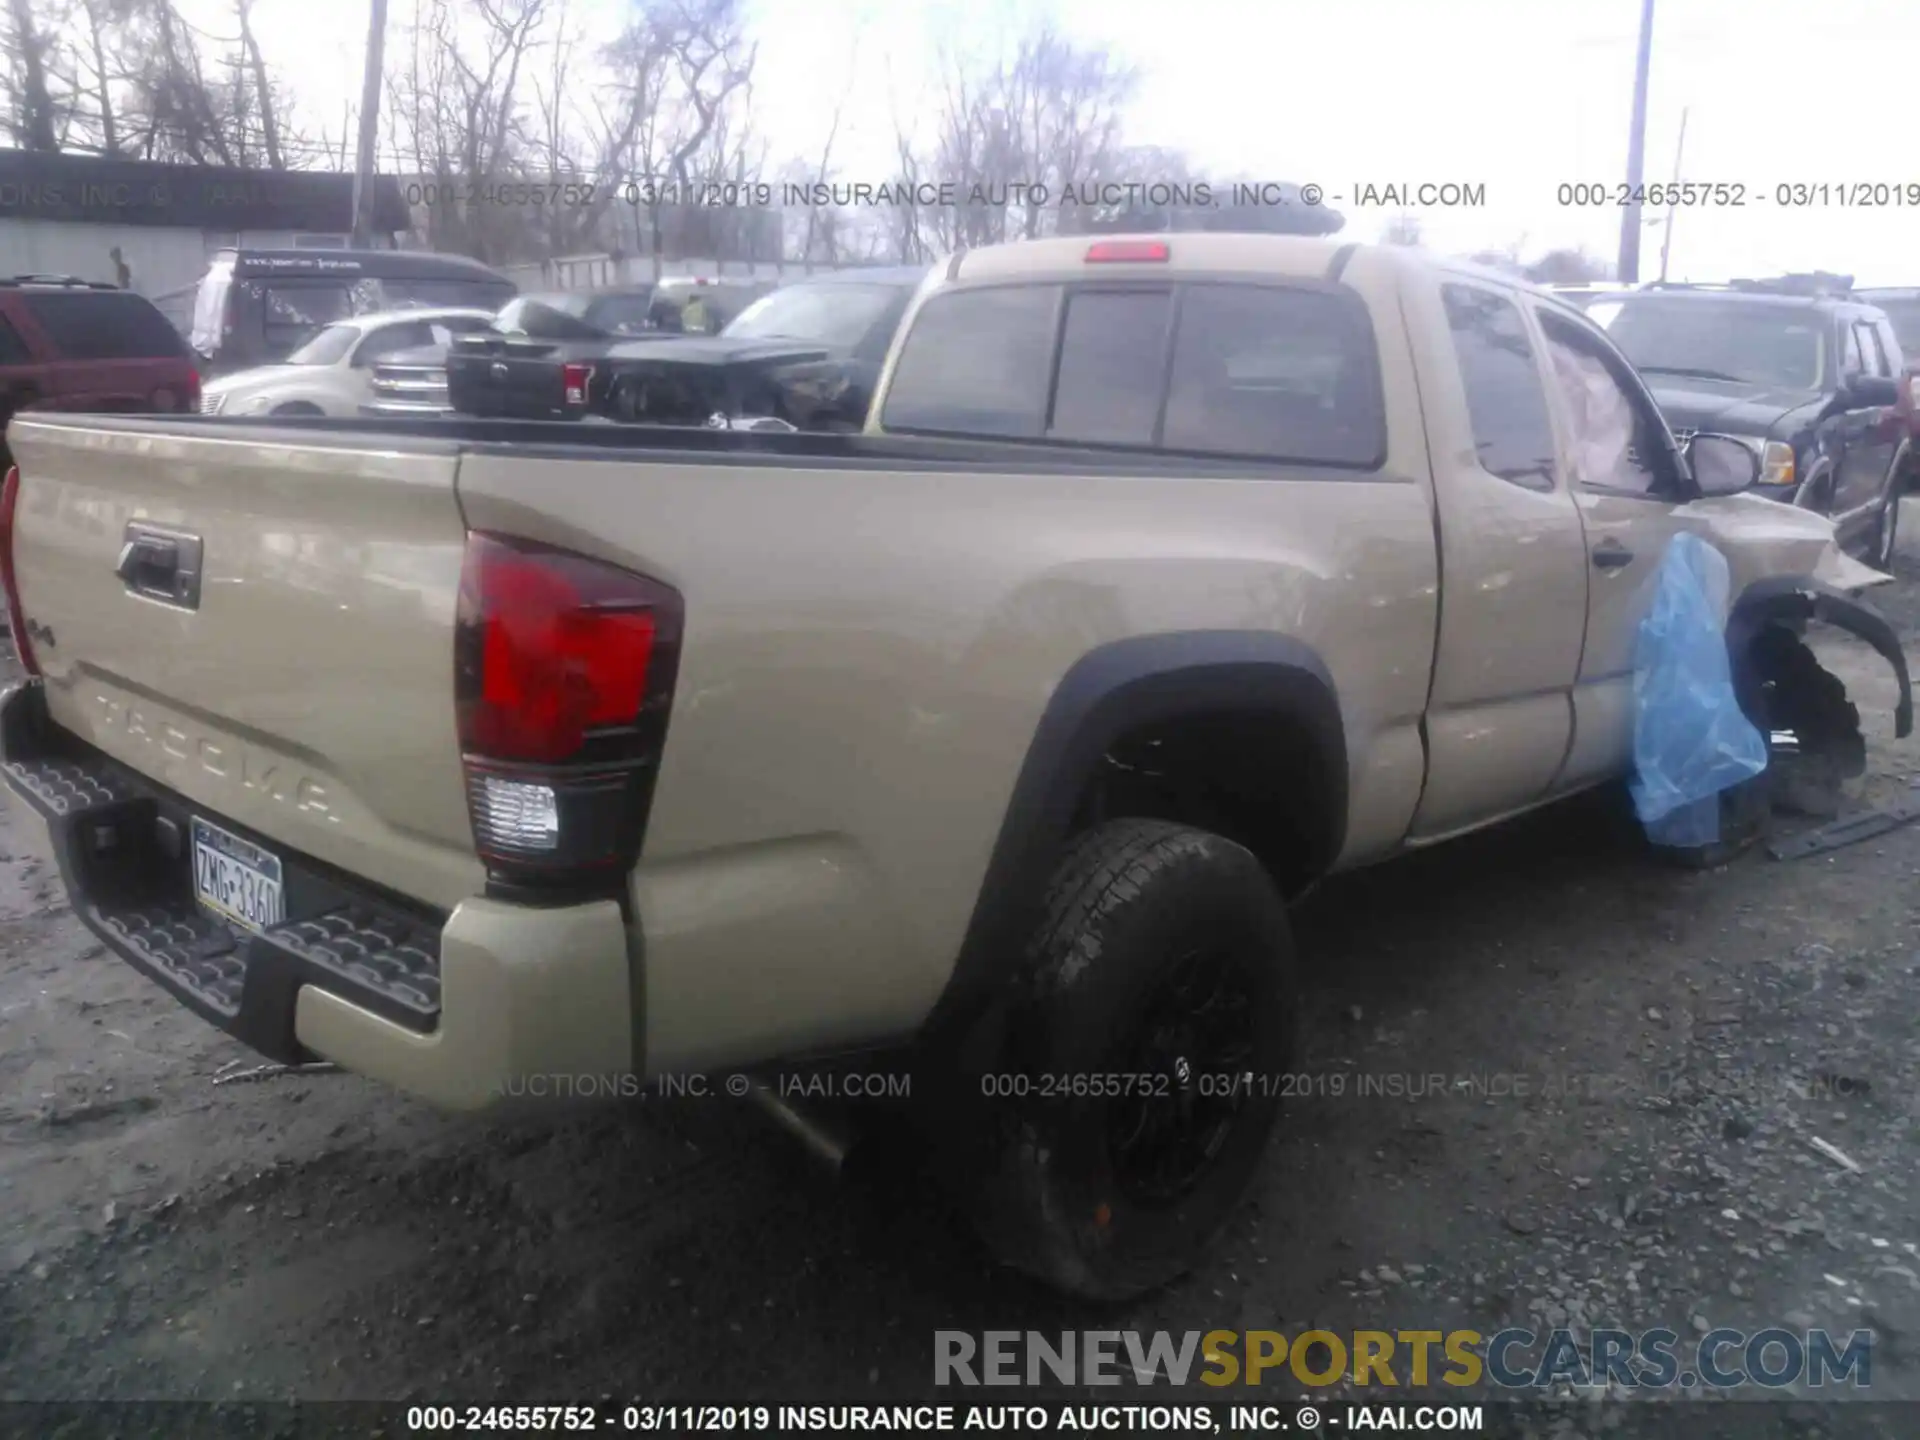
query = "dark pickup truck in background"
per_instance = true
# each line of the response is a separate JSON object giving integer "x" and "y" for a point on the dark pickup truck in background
{"x": 1803, "y": 369}
{"x": 808, "y": 354}
{"x": 414, "y": 382}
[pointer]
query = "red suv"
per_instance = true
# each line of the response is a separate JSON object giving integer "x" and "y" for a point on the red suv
{"x": 80, "y": 345}
{"x": 1902, "y": 307}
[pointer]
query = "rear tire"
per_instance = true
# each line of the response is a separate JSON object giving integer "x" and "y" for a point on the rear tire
{"x": 1160, "y": 977}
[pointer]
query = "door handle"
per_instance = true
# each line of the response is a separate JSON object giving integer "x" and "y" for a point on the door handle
{"x": 1611, "y": 555}
{"x": 161, "y": 565}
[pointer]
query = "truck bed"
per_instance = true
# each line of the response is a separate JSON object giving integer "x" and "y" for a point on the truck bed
{"x": 874, "y": 628}
{"x": 689, "y": 445}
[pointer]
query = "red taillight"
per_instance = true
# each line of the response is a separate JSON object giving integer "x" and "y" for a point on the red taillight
{"x": 564, "y": 674}
{"x": 1127, "y": 252}
{"x": 574, "y": 379}
{"x": 564, "y": 649}
{"x": 16, "y": 617}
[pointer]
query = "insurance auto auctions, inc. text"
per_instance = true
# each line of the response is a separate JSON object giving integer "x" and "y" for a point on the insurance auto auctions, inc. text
{"x": 1033, "y": 195}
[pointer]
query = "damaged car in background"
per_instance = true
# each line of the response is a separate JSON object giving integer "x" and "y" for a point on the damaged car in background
{"x": 1221, "y": 563}
{"x": 805, "y": 357}
{"x": 413, "y": 382}
{"x": 1801, "y": 370}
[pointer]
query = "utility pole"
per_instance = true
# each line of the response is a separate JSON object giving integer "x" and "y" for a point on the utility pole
{"x": 1636, "y": 152}
{"x": 363, "y": 173}
{"x": 1666, "y": 234}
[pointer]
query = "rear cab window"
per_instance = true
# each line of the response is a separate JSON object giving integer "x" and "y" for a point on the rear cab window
{"x": 1286, "y": 374}
{"x": 104, "y": 325}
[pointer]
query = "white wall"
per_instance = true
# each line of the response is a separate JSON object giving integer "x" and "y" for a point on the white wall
{"x": 160, "y": 258}
{"x": 166, "y": 263}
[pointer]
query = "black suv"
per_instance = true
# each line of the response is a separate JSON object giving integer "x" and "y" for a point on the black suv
{"x": 1803, "y": 370}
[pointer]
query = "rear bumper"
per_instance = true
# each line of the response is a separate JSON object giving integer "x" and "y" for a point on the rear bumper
{"x": 405, "y": 409}
{"x": 474, "y": 1010}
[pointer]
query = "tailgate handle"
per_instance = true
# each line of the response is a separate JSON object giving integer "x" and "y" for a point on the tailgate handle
{"x": 162, "y": 565}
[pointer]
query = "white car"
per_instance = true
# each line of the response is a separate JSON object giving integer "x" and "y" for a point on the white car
{"x": 332, "y": 373}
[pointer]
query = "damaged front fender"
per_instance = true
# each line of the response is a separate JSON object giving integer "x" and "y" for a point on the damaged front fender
{"x": 1796, "y": 599}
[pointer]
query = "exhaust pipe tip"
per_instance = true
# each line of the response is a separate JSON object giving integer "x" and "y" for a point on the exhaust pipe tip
{"x": 843, "y": 1147}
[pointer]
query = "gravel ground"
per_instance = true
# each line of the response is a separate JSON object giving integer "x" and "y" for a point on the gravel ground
{"x": 1677, "y": 1041}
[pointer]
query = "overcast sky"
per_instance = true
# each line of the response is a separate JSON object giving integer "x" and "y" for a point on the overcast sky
{"x": 1521, "y": 96}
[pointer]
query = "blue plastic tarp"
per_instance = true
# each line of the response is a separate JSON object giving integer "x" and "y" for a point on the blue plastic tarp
{"x": 1691, "y": 739}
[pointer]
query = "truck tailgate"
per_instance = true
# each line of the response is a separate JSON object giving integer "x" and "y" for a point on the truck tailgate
{"x": 507, "y": 378}
{"x": 306, "y": 691}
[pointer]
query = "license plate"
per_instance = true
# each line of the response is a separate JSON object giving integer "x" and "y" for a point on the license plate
{"x": 236, "y": 878}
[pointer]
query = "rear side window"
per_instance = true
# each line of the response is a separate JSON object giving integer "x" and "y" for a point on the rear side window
{"x": 1506, "y": 401}
{"x": 976, "y": 363}
{"x": 13, "y": 350}
{"x": 1273, "y": 374}
{"x": 1257, "y": 372}
{"x": 1871, "y": 350}
{"x": 1905, "y": 315}
{"x": 104, "y": 325}
{"x": 1853, "y": 358}
{"x": 295, "y": 311}
{"x": 1898, "y": 355}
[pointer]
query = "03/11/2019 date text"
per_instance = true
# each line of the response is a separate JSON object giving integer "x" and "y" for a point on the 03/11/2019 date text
{"x": 639, "y": 1419}
{"x": 1736, "y": 195}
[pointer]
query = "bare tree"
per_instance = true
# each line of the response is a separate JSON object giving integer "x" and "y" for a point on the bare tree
{"x": 1505, "y": 258}
{"x": 31, "y": 44}
{"x": 458, "y": 111}
{"x": 262, "y": 87}
{"x": 825, "y": 221}
{"x": 1403, "y": 229}
{"x": 98, "y": 72}
{"x": 1568, "y": 267}
{"x": 681, "y": 77}
{"x": 1025, "y": 143}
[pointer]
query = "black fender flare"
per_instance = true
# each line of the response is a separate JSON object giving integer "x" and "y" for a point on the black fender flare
{"x": 1801, "y": 598}
{"x": 1110, "y": 691}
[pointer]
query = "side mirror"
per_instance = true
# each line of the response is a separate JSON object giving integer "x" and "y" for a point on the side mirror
{"x": 1722, "y": 465}
{"x": 1866, "y": 392}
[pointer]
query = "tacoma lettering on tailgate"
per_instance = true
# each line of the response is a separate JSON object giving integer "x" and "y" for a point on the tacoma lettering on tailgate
{"x": 226, "y": 760}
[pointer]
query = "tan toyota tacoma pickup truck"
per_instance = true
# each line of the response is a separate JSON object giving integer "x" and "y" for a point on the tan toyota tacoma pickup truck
{"x": 1170, "y": 575}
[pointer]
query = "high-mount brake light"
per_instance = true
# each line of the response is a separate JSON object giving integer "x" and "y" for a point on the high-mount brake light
{"x": 564, "y": 674}
{"x": 16, "y": 618}
{"x": 1128, "y": 252}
